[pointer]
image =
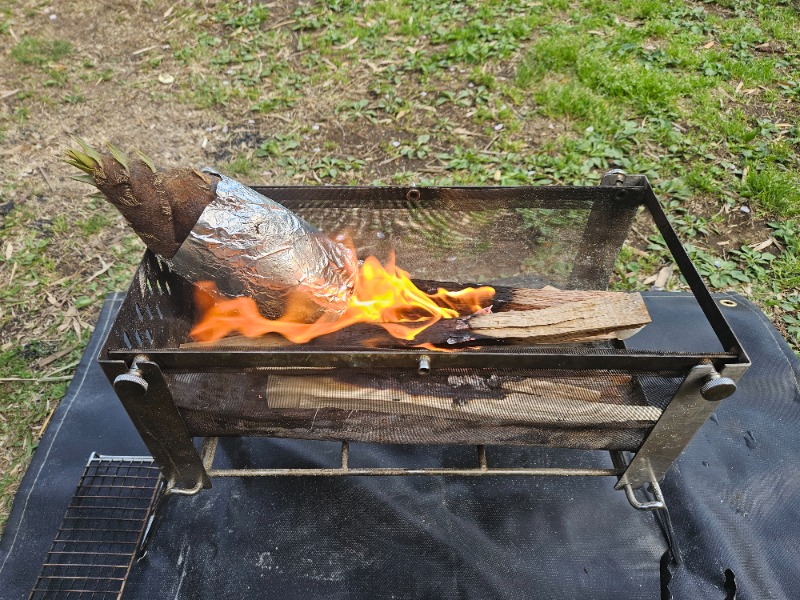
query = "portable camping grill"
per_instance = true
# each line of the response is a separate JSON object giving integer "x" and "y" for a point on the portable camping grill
{"x": 568, "y": 237}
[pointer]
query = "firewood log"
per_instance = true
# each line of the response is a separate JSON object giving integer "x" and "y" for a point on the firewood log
{"x": 542, "y": 402}
{"x": 620, "y": 313}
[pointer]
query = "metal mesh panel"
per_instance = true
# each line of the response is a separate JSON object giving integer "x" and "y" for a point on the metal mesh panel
{"x": 525, "y": 247}
{"x": 565, "y": 236}
{"x": 460, "y": 387}
{"x": 659, "y": 390}
{"x": 522, "y": 237}
{"x": 94, "y": 548}
{"x": 158, "y": 310}
{"x": 519, "y": 236}
{"x": 590, "y": 409}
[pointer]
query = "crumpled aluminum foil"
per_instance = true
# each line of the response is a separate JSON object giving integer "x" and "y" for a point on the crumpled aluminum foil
{"x": 252, "y": 246}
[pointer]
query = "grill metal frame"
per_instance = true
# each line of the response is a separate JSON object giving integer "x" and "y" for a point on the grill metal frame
{"x": 137, "y": 370}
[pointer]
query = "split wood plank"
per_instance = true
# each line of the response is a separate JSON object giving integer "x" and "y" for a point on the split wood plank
{"x": 313, "y": 392}
{"x": 527, "y": 299}
{"x": 540, "y": 386}
{"x": 620, "y": 313}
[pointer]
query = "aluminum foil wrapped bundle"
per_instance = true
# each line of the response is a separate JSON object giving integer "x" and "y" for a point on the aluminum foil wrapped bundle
{"x": 252, "y": 246}
{"x": 213, "y": 228}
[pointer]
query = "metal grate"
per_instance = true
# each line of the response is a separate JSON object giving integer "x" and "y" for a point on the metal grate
{"x": 95, "y": 546}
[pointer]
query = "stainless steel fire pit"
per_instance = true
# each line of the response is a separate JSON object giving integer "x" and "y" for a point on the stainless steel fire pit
{"x": 568, "y": 237}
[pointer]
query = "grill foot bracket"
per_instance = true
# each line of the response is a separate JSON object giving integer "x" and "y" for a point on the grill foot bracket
{"x": 146, "y": 398}
{"x": 688, "y": 409}
{"x": 656, "y": 504}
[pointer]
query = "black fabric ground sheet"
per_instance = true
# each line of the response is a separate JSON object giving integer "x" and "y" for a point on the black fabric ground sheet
{"x": 734, "y": 499}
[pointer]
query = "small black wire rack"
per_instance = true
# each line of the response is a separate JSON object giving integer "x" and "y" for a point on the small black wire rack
{"x": 99, "y": 537}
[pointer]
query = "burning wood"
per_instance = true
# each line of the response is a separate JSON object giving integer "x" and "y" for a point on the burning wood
{"x": 565, "y": 317}
{"x": 384, "y": 296}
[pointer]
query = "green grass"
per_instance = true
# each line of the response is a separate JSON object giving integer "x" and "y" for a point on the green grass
{"x": 243, "y": 166}
{"x": 575, "y": 101}
{"x": 776, "y": 190}
{"x": 49, "y": 293}
{"x": 40, "y": 51}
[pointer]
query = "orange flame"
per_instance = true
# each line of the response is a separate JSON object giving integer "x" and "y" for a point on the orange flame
{"x": 383, "y": 296}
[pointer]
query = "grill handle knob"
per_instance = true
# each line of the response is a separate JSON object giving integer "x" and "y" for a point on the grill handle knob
{"x": 717, "y": 387}
{"x": 131, "y": 383}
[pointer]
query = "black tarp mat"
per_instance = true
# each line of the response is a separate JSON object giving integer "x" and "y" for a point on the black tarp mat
{"x": 734, "y": 498}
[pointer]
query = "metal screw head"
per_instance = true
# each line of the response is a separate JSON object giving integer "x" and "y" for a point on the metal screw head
{"x": 718, "y": 388}
{"x": 424, "y": 365}
{"x": 618, "y": 176}
{"x": 130, "y": 384}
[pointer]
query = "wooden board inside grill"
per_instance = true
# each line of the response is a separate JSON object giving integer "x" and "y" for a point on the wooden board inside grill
{"x": 523, "y": 400}
{"x": 216, "y": 404}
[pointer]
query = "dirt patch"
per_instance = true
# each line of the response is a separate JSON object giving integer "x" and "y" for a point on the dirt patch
{"x": 718, "y": 10}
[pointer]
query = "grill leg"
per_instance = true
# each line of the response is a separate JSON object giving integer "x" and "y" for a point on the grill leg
{"x": 149, "y": 404}
{"x": 683, "y": 417}
{"x": 594, "y": 260}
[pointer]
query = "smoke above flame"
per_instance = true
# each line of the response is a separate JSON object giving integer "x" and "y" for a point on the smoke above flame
{"x": 385, "y": 296}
